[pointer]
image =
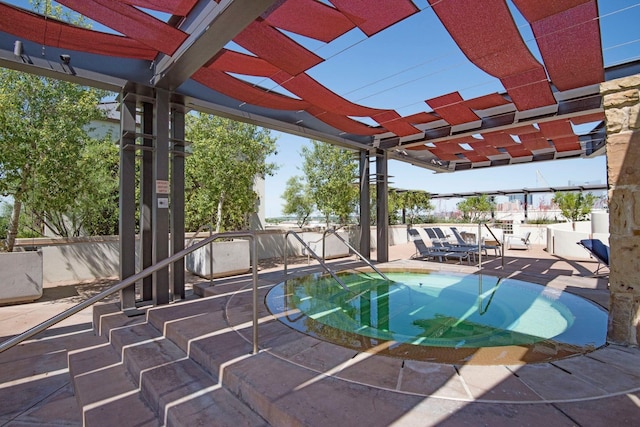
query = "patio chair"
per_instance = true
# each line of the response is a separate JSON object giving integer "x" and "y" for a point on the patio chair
{"x": 453, "y": 251}
{"x": 519, "y": 242}
{"x": 437, "y": 252}
{"x": 463, "y": 243}
{"x": 597, "y": 250}
{"x": 440, "y": 234}
{"x": 436, "y": 235}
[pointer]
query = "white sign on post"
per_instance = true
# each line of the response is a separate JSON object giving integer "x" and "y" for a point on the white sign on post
{"x": 163, "y": 202}
{"x": 162, "y": 187}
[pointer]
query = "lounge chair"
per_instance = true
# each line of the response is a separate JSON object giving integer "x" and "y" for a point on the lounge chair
{"x": 461, "y": 252}
{"x": 463, "y": 243}
{"x": 519, "y": 242}
{"x": 440, "y": 234}
{"x": 431, "y": 234}
{"x": 423, "y": 251}
{"x": 597, "y": 250}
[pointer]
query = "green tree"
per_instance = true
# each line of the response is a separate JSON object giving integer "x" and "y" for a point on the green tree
{"x": 574, "y": 206}
{"x": 98, "y": 206}
{"x": 414, "y": 205}
{"x": 475, "y": 208}
{"x": 5, "y": 216}
{"x": 220, "y": 174}
{"x": 331, "y": 173}
{"x": 43, "y": 138}
{"x": 297, "y": 200}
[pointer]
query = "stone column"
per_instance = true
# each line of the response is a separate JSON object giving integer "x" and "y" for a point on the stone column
{"x": 622, "y": 109}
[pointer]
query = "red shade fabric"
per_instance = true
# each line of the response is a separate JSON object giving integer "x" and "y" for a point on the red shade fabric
{"x": 174, "y": 7}
{"x": 588, "y": 118}
{"x": 244, "y": 92}
{"x": 474, "y": 157}
{"x": 518, "y": 151}
{"x": 490, "y": 39}
{"x": 569, "y": 143}
{"x": 485, "y": 149}
{"x": 498, "y": 139}
{"x": 535, "y": 10}
{"x": 58, "y": 34}
{"x": 131, "y": 22}
{"x": 487, "y": 101}
{"x": 566, "y": 31}
{"x": 239, "y": 63}
{"x": 271, "y": 45}
{"x": 421, "y": 118}
{"x": 443, "y": 154}
{"x": 310, "y": 18}
{"x": 529, "y": 89}
{"x": 395, "y": 123}
{"x": 451, "y": 108}
{"x": 561, "y": 134}
{"x": 534, "y": 141}
{"x": 344, "y": 123}
{"x": 568, "y": 35}
{"x": 307, "y": 88}
{"x": 373, "y": 16}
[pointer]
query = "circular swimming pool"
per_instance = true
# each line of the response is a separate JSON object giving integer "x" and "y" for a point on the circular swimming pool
{"x": 442, "y": 317}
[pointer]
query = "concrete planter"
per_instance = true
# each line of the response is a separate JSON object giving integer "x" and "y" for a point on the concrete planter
{"x": 20, "y": 276}
{"x": 228, "y": 258}
{"x": 333, "y": 247}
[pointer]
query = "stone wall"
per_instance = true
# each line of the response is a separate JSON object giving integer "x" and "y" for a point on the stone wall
{"x": 621, "y": 99}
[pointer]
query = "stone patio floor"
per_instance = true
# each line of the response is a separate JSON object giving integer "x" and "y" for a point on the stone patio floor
{"x": 600, "y": 388}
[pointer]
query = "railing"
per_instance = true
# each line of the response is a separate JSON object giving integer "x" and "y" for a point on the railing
{"x": 313, "y": 254}
{"x": 324, "y": 237}
{"x": 501, "y": 244}
{"x": 141, "y": 275}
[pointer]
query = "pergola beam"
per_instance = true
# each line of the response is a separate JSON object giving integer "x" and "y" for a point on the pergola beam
{"x": 214, "y": 27}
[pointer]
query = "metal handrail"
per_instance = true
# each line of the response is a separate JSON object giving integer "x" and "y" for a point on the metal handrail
{"x": 334, "y": 231}
{"x": 313, "y": 254}
{"x": 141, "y": 275}
{"x": 501, "y": 244}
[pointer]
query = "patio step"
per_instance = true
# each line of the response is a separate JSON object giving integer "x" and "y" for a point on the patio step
{"x": 146, "y": 379}
{"x": 282, "y": 393}
{"x": 192, "y": 363}
{"x": 105, "y": 391}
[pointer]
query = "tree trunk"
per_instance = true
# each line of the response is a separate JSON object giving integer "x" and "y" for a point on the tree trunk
{"x": 12, "y": 232}
{"x": 219, "y": 214}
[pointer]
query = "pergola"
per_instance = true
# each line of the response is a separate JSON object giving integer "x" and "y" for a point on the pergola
{"x": 166, "y": 57}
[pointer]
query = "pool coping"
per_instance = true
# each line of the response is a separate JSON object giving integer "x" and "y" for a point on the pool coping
{"x": 603, "y": 373}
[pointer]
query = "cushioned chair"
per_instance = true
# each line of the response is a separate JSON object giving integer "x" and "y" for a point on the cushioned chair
{"x": 597, "y": 250}
{"x": 519, "y": 242}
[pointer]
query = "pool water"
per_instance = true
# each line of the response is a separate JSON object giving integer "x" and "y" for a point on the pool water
{"x": 440, "y": 310}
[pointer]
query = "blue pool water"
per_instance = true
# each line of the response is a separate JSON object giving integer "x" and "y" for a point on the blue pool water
{"x": 440, "y": 310}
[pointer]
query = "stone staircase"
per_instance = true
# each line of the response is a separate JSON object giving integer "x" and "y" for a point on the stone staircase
{"x": 142, "y": 374}
{"x": 184, "y": 364}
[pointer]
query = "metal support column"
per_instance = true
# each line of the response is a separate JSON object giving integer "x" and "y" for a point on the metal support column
{"x": 177, "y": 200}
{"x": 146, "y": 199}
{"x": 365, "y": 206}
{"x": 127, "y": 212}
{"x": 382, "y": 206}
{"x": 160, "y": 205}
